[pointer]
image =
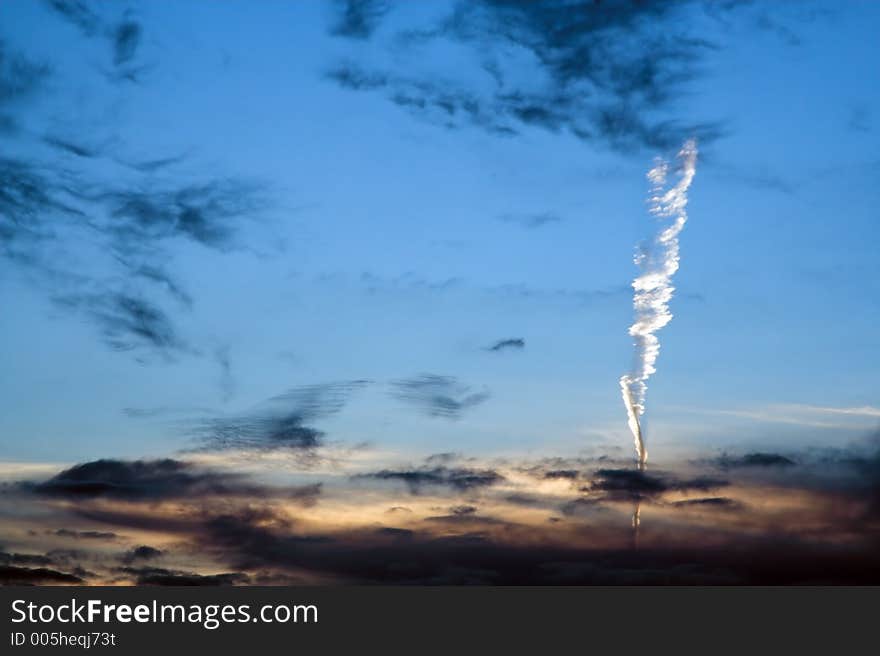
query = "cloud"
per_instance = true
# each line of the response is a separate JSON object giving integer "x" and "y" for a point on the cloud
{"x": 708, "y": 502}
{"x": 143, "y": 552}
{"x": 24, "y": 559}
{"x": 280, "y": 422}
{"x": 206, "y": 213}
{"x": 55, "y": 216}
{"x": 457, "y": 478}
{"x": 126, "y": 321}
{"x": 531, "y": 221}
{"x": 476, "y": 558}
{"x": 85, "y": 535}
{"x": 20, "y": 77}
{"x": 71, "y": 147}
{"x": 227, "y": 381}
{"x": 822, "y": 531}
{"x": 126, "y": 38}
{"x": 100, "y": 244}
{"x": 751, "y": 460}
{"x": 162, "y": 577}
{"x": 357, "y": 19}
{"x": 10, "y": 575}
{"x": 123, "y": 36}
{"x": 438, "y": 396}
{"x": 608, "y": 73}
{"x": 634, "y": 485}
{"x": 508, "y": 344}
{"x": 570, "y": 474}
{"x": 78, "y": 14}
{"x": 581, "y": 507}
{"x": 155, "y": 480}
{"x": 468, "y": 518}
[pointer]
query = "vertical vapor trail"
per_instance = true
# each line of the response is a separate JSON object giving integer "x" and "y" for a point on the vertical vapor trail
{"x": 652, "y": 288}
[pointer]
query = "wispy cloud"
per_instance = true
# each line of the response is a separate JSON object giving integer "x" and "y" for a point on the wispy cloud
{"x": 606, "y": 74}
{"x": 279, "y": 423}
{"x": 438, "y": 396}
{"x": 858, "y": 417}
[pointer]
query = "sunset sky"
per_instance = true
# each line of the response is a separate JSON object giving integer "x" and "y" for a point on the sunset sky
{"x": 339, "y": 292}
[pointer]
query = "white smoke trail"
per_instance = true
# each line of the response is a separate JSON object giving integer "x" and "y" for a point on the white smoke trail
{"x": 652, "y": 288}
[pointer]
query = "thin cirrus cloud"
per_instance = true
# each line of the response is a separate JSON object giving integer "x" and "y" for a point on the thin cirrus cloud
{"x": 438, "y": 396}
{"x": 281, "y": 422}
{"x": 124, "y": 35}
{"x": 59, "y": 212}
{"x": 854, "y": 417}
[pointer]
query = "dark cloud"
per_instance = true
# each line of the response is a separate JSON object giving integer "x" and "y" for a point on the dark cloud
{"x": 123, "y": 36}
{"x": 248, "y": 542}
{"x": 438, "y": 396}
{"x": 463, "y": 510}
{"x": 161, "y": 278}
{"x": 143, "y": 552}
{"x": 27, "y": 197}
{"x": 522, "y": 500}
{"x": 160, "y": 576}
{"x": 157, "y": 479}
{"x": 71, "y": 147}
{"x": 457, "y": 478}
{"x": 605, "y": 72}
{"x": 580, "y": 507}
{"x": 470, "y": 520}
{"x": 153, "y": 165}
{"x": 10, "y": 575}
{"x": 47, "y": 214}
{"x": 508, "y": 344}
{"x": 398, "y": 509}
{"x": 126, "y": 38}
{"x": 207, "y": 213}
{"x": 444, "y": 458}
{"x": 570, "y": 474}
{"x": 78, "y": 14}
{"x": 54, "y": 211}
{"x": 357, "y": 19}
{"x": 531, "y": 220}
{"x": 24, "y": 559}
{"x": 34, "y": 569}
{"x": 634, "y": 485}
{"x": 708, "y": 502}
{"x": 281, "y": 422}
{"x": 127, "y": 322}
{"x": 85, "y": 535}
{"x": 752, "y": 460}
{"x": 259, "y": 540}
{"x": 400, "y": 533}
{"x": 19, "y": 78}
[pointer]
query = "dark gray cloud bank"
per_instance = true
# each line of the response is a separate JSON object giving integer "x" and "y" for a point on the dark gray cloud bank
{"x": 156, "y": 480}
{"x": 251, "y": 531}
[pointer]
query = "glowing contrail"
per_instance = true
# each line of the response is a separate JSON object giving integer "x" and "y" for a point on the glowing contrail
{"x": 652, "y": 288}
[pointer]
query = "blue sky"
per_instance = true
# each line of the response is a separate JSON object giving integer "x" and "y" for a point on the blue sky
{"x": 377, "y": 240}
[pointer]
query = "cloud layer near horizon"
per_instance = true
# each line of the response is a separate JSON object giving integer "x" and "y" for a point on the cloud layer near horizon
{"x": 746, "y": 518}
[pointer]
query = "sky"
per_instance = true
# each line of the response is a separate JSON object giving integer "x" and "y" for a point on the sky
{"x": 358, "y": 256}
